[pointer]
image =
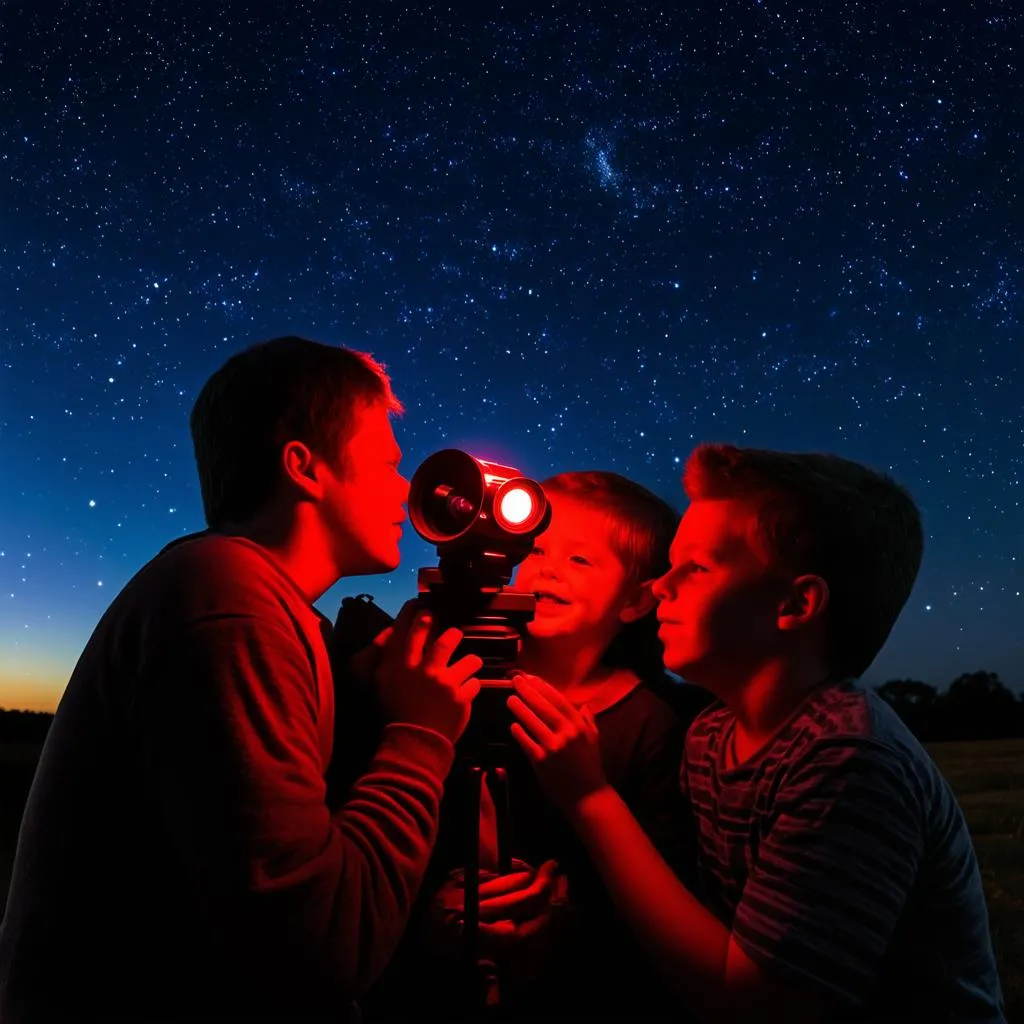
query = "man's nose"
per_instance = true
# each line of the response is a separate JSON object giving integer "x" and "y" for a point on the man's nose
{"x": 660, "y": 587}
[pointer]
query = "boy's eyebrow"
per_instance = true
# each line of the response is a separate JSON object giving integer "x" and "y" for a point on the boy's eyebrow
{"x": 716, "y": 554}
{"x": 690, "y": 549}
{"x": 589, "y": 545}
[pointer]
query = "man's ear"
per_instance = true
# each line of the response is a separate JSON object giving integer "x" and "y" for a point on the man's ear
{"x": 302, "y": 469}
{"x": 805, "y": 601}
{"x": 640, "y": 602}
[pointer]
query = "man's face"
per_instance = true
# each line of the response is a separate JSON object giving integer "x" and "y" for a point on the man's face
{"x": 580, "y": 584}
{"x": 718, "y": 605}
{"x": 364, "y": 499}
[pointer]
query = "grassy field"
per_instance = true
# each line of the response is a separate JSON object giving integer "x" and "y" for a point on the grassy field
{"x": 988, "y": 779}
{"x": 17, "y": 763}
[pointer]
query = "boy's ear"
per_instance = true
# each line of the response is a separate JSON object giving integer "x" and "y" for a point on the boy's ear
{"x": 806, "y": 600}
{"x": 640, "y": 602}
{"x": 302, "y": 469}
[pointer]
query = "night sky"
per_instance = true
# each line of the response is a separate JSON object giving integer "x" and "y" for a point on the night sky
{"x": 578, "y": 235}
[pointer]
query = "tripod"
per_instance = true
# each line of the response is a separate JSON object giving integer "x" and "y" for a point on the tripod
{"x": 491, "y": 618}
{"x": 481, "y": 981}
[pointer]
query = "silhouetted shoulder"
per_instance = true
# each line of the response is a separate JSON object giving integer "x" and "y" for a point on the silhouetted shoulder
{"x": 208, "y": 575}
{"x": 201, "y": 582}
{"x": 849, "y": 711}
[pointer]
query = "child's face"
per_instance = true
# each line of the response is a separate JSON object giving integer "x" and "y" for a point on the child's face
{"x": 719, "y": 603}
{"x": 581, "y": 586}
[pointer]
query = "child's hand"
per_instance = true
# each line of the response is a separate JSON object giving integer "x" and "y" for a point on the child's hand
{"x": 516, "y": 911}
{"x": 517, "y": 900}
{"x": 518, "y": 896}
{"x": 560, "y": 741}
{"x": 516, "y": 927}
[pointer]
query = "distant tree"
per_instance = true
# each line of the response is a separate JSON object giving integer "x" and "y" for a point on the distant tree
{"x": 24, "y": 726}
{"x": 978, "y": 705}
{"x": 914, "y": 702}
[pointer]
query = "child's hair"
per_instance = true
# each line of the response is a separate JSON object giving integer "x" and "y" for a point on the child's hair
{"x": 641, "y": 528}
{"x": 285, "y": 389}
{"x": 821, "y": 514}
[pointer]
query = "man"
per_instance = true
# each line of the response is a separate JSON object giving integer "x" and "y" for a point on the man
{"x": 177, "y": 859}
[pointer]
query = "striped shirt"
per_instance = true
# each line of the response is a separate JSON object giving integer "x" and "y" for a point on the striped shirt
{"x": 842, "y": 863}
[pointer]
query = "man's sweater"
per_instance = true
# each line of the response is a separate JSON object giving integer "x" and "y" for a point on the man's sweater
{"x": 177, "y": 859}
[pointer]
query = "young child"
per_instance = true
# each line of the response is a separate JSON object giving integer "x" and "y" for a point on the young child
{"x": 594, "y": 638}
{"x": 836, "y": 876}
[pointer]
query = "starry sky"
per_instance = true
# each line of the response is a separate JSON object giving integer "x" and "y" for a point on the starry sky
{"x": 579, "y": 235}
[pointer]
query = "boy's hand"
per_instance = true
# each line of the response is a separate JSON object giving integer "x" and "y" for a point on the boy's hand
{"x": 516, "y": 911}
{"x": 415, "y": 683}
{"x": 559, "y": 740}
{"x": 518, "y": 896}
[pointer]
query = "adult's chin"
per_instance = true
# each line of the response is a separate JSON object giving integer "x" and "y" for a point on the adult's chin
{"x": 391, "y": 560}
{"x": 377, "y": 562}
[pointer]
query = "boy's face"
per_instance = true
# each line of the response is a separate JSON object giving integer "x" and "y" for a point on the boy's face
{"x": 580, "y": 584}
{"x": 719, "y": 603}
{"x": 365, "y": 496}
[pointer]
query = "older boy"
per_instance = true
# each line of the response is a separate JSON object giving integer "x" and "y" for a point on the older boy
{"x": 837, "y": 880}
{"x": 177, "y": 858}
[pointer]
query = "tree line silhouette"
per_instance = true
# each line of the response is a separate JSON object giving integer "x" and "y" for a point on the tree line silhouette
{"x": 975, "y": 706}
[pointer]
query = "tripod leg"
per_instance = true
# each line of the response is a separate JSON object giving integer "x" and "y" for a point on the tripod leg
{"x": 482, "y": 981}
{"x": 471, "y": 878}
{"x": 498, "y": 782}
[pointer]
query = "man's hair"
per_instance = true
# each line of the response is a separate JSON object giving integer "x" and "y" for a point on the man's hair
{"x": 285, "y": 389}
{"x": 641, "y": 527}
{"x": 827, "y": 516}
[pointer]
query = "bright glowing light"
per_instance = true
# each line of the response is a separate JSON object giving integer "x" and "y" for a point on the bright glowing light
{"x": 516, "y": 506}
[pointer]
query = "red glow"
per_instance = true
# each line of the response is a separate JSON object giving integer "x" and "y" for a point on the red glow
{"x": 516, "y": 506}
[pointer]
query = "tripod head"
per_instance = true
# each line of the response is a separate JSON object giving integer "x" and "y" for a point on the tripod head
{"x": 483, "y": 518}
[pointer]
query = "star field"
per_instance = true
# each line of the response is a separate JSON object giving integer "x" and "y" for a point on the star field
{"x": 579, "y": 236}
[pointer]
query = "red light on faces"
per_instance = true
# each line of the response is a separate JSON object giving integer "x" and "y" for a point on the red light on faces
{"x": 516, "y": 506}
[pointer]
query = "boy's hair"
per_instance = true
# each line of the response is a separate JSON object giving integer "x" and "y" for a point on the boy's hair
{"x": 817, "y": 513}
{"x": 641, "y": 528}
{"x": 285, "y": 389}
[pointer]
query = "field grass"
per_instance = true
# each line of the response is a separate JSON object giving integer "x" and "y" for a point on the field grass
{"x": 987, "y": 777}
{"x": 17, "y": 763}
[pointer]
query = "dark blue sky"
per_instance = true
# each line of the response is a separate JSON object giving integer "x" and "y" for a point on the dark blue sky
{"x": 579, "y": 235}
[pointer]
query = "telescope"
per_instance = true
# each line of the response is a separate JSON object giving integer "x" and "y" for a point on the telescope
{"x": 483, "y": 518}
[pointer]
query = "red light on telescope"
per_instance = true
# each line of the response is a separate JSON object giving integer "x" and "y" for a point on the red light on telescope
{"x": 516, "y": 506}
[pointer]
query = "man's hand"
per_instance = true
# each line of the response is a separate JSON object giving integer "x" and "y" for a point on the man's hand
{"x": 362, "y": 667}
{"x": 415, "y": 683}
{"x": 559, "y": 740}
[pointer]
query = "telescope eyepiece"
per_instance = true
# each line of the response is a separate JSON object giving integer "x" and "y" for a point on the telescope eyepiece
{"x": 460, "y": 507}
